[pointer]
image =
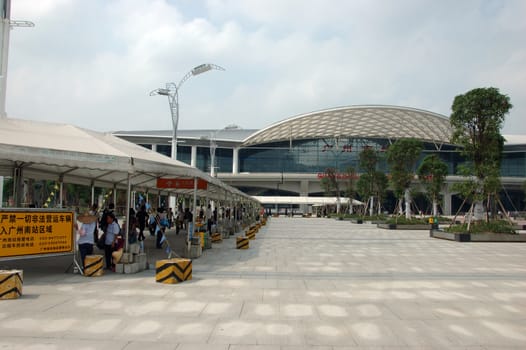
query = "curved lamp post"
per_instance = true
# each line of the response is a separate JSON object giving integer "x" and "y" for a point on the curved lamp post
{"x": 172, "y": 91}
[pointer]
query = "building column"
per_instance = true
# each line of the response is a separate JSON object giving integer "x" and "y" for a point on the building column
{"x": 235, "y": 160}
{"x": 304, "y": 192}
{"x": 154, "y": 147}
{"x": 193, "y": 156}
{"x": 447, "y": 201}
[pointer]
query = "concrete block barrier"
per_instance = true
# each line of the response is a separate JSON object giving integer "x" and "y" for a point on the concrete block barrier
{"x": 170, "y": 271}
{"x": 94, "y": 266}
{"x": 242, "y": 243}
{"x": 11, "y": 282}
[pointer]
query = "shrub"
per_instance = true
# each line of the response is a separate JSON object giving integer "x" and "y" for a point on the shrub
{"x": 497, "y": 226}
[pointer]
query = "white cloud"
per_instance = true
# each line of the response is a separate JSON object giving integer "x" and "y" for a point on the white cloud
{"x": 93, "y": 63}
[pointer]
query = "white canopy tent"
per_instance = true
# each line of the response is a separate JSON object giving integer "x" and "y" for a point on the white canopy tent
{"x": 68, "y": 154}
{"x": 75, "y": 155}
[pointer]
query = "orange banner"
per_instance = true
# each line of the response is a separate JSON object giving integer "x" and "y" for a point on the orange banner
{"x": 35, "y": 232}
{"x": 181, "y": 183}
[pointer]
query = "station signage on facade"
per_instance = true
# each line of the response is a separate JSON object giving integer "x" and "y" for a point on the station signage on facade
{"x": 181, "y": 183}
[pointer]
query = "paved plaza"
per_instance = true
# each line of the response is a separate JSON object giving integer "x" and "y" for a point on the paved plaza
{"x": 305, "y": 283}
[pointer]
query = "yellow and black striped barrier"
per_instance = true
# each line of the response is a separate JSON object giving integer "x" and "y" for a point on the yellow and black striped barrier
{"x": 242, "y": 242}
{"x": 250, "y": 234}
{"x": 251, "y": 231}
{"x": 170, "y": 271}
{"x": 94, "y": 266}
{"x": 216, "y": 237}
{"x": 11, "y": 282}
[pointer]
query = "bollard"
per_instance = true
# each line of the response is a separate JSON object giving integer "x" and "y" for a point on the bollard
{"x": 170, "y": 271}
{"x": 242, "y": 242}
{"x": 11, "y": 282}
{"x": 94, "y": 266}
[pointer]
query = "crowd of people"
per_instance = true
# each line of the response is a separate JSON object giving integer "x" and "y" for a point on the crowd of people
{"x": 102, "y": 229}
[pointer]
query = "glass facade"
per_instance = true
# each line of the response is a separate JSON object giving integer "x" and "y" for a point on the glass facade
{"x": 316, "y": 155}
{"x": 224, "y": 160}
{"x": 165, "y": 149}
{"x": 184, "y": 154}
{"x": 513, "y": 164}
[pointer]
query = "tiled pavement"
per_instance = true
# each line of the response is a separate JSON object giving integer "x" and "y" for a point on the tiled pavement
{"x": 303, "y": 284}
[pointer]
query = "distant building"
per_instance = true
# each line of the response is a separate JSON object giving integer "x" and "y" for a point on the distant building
{"x": 289, "y": 158}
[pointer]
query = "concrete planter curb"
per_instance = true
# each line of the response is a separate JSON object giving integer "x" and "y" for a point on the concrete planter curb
{"x": 403, "y": 227}
{"x": 478, "y": 237}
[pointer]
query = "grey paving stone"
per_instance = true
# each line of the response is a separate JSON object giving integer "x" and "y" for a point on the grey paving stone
{"x": 304, "y": 284}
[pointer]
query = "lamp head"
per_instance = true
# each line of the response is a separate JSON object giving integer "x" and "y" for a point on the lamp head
{"x": 202, "y": 68}
{"x": 164, "y": 92}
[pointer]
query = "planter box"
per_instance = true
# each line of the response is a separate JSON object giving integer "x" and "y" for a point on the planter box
{"x": 497, "y": 237}
{"x": 404, "y": 227}
{"x": 386, "y": 226}
{"x": 357, "y": 221}
{"x": 451, "y": 236}
{"x": 478, "y": 237}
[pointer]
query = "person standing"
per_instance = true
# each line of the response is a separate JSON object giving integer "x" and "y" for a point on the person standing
{"x": 87, "y": 233}
{"x": 141, "y": 218}
{"x": 112, "y": 230}
{"x": 209, "y": 219}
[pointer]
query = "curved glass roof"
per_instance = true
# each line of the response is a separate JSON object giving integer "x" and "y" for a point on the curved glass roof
{"x": 387, "y": 122}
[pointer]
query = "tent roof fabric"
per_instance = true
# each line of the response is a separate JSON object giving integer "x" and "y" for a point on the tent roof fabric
{"x": 303, "y": 200}
{"x": 54, "y": 151}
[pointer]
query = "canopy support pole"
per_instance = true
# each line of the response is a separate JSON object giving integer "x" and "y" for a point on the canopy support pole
{"x": 92, "y": 193}
{"x": 60, "y": 200}
{"x": 128, "y": 203}
{"x": 115, "y": 195}
{"x": 18, "y": 176}
{"x": 191, "y": 229}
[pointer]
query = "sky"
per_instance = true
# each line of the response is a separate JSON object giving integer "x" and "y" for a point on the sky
{"x": 93, "y": 63}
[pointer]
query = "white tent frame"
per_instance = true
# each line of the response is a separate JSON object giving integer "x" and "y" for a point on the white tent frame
{"x": 65, "y": 153}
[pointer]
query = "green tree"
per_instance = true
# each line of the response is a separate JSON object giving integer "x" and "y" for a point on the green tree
{"x": 401, "y": 157}
{"x": 330, "y": 183}
{"x": 477, "y": 118}
{"x": 366, "y": 184}
{"x": 381, "y": 183}
{"x": 432, "y": 174}
{"x": 350, "y": 186}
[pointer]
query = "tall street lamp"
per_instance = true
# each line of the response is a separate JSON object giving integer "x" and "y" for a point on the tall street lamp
{"x": 172, "y": 91}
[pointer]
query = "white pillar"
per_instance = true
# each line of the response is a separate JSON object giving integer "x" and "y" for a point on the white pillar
{"x": 193, "y": 156}
{"x": 235, "y": 161}
{"x": 447, "y": 202}
{"x": 154, "y": 147}
{"x": 304, "y": 186}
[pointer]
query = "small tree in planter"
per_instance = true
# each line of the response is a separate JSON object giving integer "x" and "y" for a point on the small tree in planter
{"x": 330, "y": 183}
{"x": 350, "y": 190}
{"x": 365, "y": 185}
{"x": 432, "y": 173}
{"x": 402, "y": 156}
